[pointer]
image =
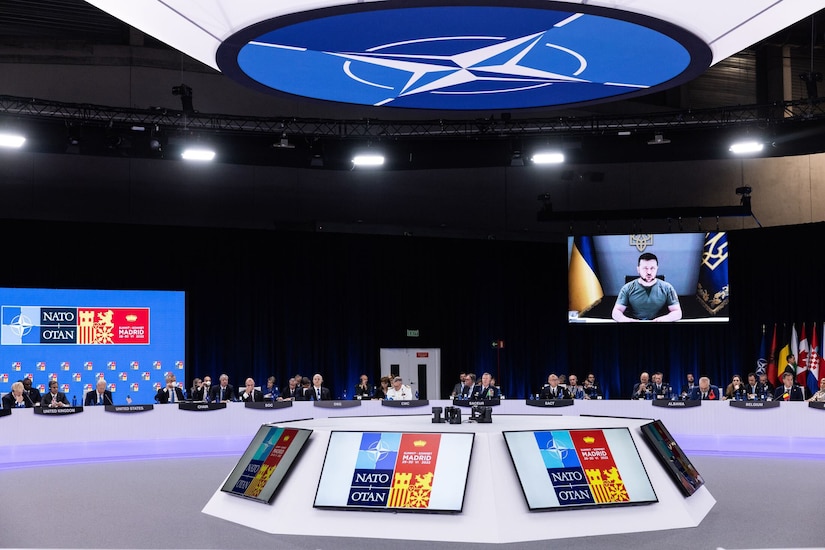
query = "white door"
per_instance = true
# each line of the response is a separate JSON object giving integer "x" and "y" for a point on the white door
{"x": 420, "y": 368}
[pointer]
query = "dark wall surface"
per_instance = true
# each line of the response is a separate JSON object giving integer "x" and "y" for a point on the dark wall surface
{"x": 266, "y": 303}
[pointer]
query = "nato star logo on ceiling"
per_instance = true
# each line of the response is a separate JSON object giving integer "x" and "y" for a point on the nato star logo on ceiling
{"x": 463, "y": 57}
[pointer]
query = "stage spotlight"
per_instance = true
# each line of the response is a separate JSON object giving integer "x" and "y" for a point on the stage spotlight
{"x": 317, "y": 161}
{"x": 744, "y": 147}
{"x": 198, "y": 153}
{"x": 516, "y": 159}
{"x": 12, "y": 141}
{"x": 368, "y": 159}
{"x": 658, "y": 139}
{"x": 548, "y": 157}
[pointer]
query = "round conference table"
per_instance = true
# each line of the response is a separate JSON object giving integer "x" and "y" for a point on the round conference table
{"x": 98, "y": 434}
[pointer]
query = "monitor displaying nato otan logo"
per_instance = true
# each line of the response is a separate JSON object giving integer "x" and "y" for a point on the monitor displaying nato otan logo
{"x": 464, "y": 57}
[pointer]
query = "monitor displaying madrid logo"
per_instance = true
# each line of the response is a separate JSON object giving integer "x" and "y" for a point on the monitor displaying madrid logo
{"x": 393, "y": 471}
{"x": 464, "y": 57}
{"x": 566, "y": 469}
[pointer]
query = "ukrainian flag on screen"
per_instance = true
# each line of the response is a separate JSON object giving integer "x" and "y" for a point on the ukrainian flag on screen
{"x": 582, "y": 276}
{"x": 712, "y": 289}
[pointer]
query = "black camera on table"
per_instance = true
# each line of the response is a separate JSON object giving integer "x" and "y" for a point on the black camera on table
{"x": 481, "y": 414}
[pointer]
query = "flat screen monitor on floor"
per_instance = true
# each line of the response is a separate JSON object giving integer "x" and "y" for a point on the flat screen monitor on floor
{"x": 674, "y": 460}
{"x": 266, "y": 462}
{"x": 395, "y": 472}
{"x": 567, "y": 469}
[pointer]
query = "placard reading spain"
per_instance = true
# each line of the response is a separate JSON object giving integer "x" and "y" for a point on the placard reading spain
{"x": 394, "y": 470}
{"x": 36, "y": 325}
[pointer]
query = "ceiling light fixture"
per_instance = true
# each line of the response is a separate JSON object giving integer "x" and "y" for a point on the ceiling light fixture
{"x": 744, "y": 147}
{"x": 368, "y": 159}
{"x": 658, "y": 139}
{"x": 14, "y": 141}
{"x": 198, "y": 154}
{"x": 548, "y": 157}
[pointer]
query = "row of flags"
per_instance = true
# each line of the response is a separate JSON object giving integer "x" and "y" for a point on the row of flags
{"x": 712, "y": 290}
{"x": 785, "y": 341}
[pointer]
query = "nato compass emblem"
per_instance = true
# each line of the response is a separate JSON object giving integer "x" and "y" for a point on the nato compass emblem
{"x": 464, "y": 57}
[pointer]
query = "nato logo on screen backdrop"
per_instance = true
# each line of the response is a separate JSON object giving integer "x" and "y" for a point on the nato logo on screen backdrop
{"x": 464, "y": 57}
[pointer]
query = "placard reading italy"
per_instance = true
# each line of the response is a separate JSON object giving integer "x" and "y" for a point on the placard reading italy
{"x": 581, "y": 467}
{"x": 394, "y": 470}
{"x": 35, "y": 325}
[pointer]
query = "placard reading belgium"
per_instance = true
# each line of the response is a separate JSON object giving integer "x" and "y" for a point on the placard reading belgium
{"x": 35, "y": 325}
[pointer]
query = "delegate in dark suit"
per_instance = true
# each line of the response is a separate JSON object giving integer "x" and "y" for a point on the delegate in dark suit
{"x": 490, "y": 392}
{"x": 48, "y": 399}
{"x": 312, "y": 394}
{"x": 164, "y": 395}
{"x": 228, "y": 393}
{"x": 256, "y": 395}
{"x": 92, "y": 398}
{"x": 710, "y": 394}
{"x": 9, "y": 401}
{"x": 548, "y": 392}
{"x": 794, "y": 394}
{"x": 199, "y": 394}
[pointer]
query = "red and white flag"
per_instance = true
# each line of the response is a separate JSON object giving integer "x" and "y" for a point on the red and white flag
{"x": 802, "y": 356}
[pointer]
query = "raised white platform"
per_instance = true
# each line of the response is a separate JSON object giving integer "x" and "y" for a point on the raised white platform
{"x": 792, "y": 429}
{"x": 494, "y": 504}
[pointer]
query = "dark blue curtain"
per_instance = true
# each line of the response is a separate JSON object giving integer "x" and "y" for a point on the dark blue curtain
{"x": 264, "y": 303}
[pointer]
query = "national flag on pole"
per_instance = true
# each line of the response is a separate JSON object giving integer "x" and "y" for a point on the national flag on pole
{"x": 582, "y": 276}
{"x": 762, "y": 357}
{"x": 772, "y": 353}
{"x": 814, "y": 360}
{"x": 794, "y": 343}
{"x": 784, "y": 350}
{"x": 712, "y": 289}
{"x": 802, "y": 354}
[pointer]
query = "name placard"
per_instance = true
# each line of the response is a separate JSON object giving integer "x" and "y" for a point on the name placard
{"x": 5, "y": 412}
{"x": 409, "y": 403}
{"x": 477, "y": 402}
{"x": 550, "y": 402}
{"x": 817, "y": 405}
{"x": 129, "y": 408}
{"x": 754, "y": 404}
{"x": 267, "y": 404}
{"x": 201, "y": 406}
{"x": 57, "y": 411}
{"x": 337, "y": 404}
{"x": 677, "y": 403}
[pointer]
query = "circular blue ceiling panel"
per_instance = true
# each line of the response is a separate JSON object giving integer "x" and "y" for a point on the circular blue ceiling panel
{"x": 464, "y": 57}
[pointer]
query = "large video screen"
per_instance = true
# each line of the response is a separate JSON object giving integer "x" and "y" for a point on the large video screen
{"x": 679, "y": 277}
{"x": 266, "y": 462}
{"x": 131, "y": 338}
{"x": 393, "y": 471}
{"x": 569, "y": 469}
{"x": 674, "y": 460}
